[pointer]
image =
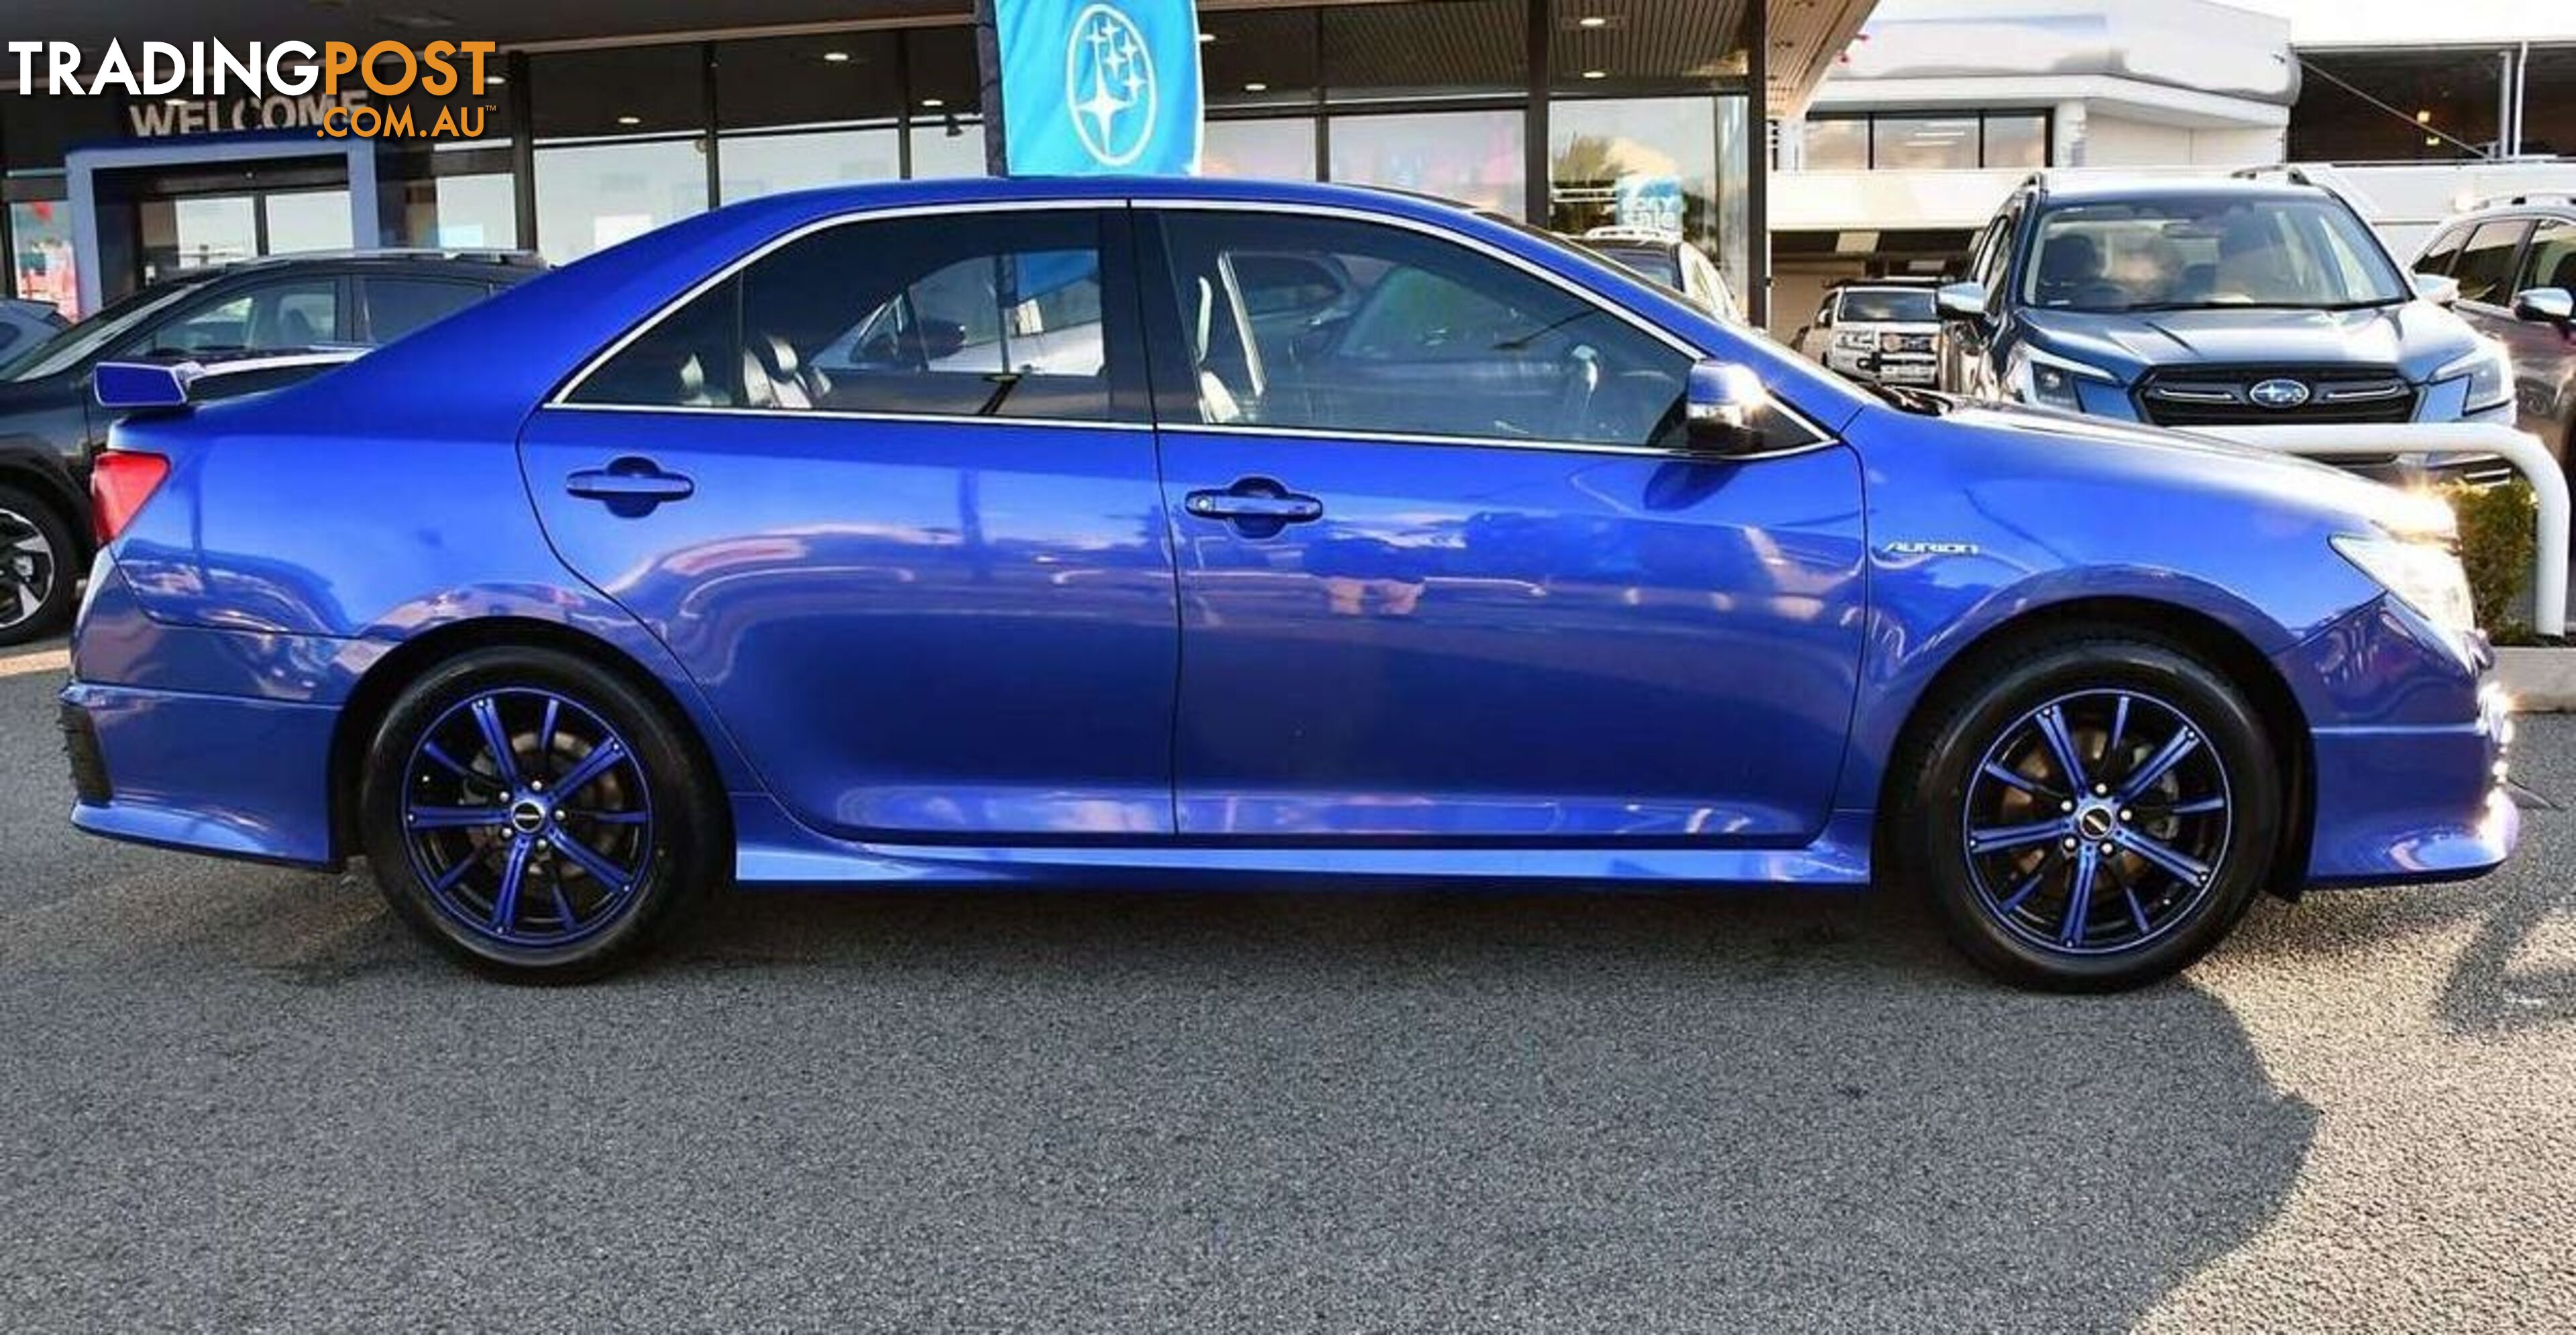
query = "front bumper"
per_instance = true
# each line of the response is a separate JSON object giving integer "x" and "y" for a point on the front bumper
{"x": 2412, "y": 805}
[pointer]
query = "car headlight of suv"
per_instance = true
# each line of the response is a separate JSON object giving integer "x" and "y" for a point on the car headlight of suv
{"x": 1856, "y": 341}
{"x": 2049, "y": 380}
{"x": 2422, "y": 571}
{"x": 2490, "y": 376}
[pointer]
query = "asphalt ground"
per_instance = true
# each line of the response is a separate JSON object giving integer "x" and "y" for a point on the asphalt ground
{"x": 236, "y": 1097}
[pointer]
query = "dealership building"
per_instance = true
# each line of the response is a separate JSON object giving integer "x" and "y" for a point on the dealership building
{"x": 610, "y": 120}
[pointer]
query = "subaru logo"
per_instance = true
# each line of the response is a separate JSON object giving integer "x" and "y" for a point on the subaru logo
{"x": 2278, "y": 393}
{"x": 1109, "y": 85}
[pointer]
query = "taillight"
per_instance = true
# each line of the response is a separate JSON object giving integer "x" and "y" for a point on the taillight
{"x": 119, "y": 483}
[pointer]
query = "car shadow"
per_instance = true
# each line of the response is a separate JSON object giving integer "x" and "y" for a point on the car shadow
{"x": 1564, "y": 1111}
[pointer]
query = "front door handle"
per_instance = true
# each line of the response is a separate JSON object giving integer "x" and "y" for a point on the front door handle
{"x": 1255, "y": 504}
{"x": 631, "y": 485}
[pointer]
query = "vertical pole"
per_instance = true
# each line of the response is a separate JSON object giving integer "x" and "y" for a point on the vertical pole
{"x": 1757, "y": 163}
{"x": 988, "y": 63}
{"x": 1535, "y": 194}
{"x": 903, "y": 105}
{"x": 523, "y": 149}
{"x": 707, "y": 116}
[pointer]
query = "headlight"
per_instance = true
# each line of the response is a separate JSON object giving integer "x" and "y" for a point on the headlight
{"x": 2424, "y": 574}
{"x": 2049, "y": 380}
{"x": 1857, "y": 341}
{"x": 2490, "y": 374}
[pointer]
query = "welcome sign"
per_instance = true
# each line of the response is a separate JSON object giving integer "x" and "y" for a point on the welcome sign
{"x": 1099, "y": 87}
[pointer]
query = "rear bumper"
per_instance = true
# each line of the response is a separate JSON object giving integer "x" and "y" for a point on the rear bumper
{"x": 207, "y": 773}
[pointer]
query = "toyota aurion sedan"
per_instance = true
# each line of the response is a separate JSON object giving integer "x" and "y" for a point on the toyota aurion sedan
{"x": 986, "y": 532}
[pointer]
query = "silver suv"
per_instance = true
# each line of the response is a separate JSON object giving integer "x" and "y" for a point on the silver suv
{"x": 2515, "y": 262}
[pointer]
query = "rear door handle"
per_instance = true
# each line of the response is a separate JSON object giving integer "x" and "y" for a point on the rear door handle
{"x": 630, "y": 485}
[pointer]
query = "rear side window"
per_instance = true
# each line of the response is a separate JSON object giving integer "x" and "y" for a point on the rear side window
{"x": 397, "y": 306}
{"x": 993, "y": 315}
{"x": 2486, "y": 263}
{"x": 2551, "y": 261}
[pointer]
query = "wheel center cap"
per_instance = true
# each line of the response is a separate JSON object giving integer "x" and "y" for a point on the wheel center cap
{"x": 2094, "y": 822}
{"x": 528, "y": 815}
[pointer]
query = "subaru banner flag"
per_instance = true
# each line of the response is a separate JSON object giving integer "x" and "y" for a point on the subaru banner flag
{"x": 1099, "y": 87}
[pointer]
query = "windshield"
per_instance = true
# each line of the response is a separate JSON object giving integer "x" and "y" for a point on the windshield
{"x": 66, "y": 349}
{"x": 2207, "y": 252}
{"x": 1884, "y": 305}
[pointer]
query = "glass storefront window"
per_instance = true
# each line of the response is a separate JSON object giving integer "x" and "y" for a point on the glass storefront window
{"x": 1259, "y": 58}
{"x": 307, "y": 220}
{"x": 947, "y": 133}
{"x": 622, "y": 93}
{"x": 1470, "y": 156}
{"x": 2016, "y": 141}
{"x": 765, "y": 164}
{"x": 1909, "y": 142}
{"x": 1647, "y": 162}
{"x": 592, "y": 196}
{"x": 1839, "y": 144}
{"x": 1448, "y": 48}
{"x": 467, "y": 210}
{"x": 42, "y": 268}
{"x": 1279, "y": 150}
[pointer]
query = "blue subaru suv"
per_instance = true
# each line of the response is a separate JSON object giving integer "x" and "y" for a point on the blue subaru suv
{"x": 2191, "y": 303}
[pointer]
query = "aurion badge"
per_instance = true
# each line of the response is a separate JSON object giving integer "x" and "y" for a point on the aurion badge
{"x": 2278, "y": 393}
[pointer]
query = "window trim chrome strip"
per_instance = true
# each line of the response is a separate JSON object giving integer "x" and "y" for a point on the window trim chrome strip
{"x": 851, "y": 415}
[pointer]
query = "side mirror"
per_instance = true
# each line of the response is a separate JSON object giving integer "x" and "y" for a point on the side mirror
{"x": 2437, "y": 289}
{"x": 1723, "y": 407}
{"x": 1960, "y": 301}
{"x": 2545, "y": 305}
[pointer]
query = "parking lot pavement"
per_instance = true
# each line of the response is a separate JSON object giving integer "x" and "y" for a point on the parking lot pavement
{"x": 238, "y": 1097}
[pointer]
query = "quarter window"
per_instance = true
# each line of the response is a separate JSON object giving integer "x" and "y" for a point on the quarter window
{"x": 1424, "y": 338}
{"x": 397, "y": 306}
{"x": 2438, "y": 257}
{"x": 988, "y": 315}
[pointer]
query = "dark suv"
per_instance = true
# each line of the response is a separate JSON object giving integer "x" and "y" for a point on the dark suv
{"x": 50, "y": 428}
{"x": 2515, "y": 263}
{"x": 2209, "y": 303}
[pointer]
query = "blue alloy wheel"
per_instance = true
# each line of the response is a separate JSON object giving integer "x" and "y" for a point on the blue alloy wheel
{"x": 528, "y": 819}
{"x": 2097, "y": 822}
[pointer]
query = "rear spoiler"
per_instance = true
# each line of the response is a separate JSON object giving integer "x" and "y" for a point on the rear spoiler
{"x": 131, "y": 387}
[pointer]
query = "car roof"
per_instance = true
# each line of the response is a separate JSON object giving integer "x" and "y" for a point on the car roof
{"x": 473, "y": 263}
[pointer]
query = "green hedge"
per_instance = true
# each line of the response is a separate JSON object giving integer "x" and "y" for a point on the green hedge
{"x": 2497, "y": 545}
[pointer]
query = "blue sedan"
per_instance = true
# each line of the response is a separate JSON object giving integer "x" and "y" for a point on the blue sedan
{"x": 1106, "y": 532}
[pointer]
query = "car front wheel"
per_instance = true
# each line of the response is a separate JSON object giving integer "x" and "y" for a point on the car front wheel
{"x": 2092, "y": 813}
{"x": 536, "y": 816}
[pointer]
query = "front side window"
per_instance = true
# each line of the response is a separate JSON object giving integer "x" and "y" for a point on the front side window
{"x": 397, "y": 306}
{"x": 281, "y": 315}
{"x": 2190, "y": 252}
{"x": 992, "y": 315}
{"x": 2551, "y": 261}
{"x": 2486, "y": 262}
{"x": 1429, "y": 338}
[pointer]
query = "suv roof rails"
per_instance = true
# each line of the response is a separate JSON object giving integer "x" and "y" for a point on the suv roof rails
{"x": 464, "y": 254}
{"x": 2522, "y": 199}
{"x": 2287, "y": 171}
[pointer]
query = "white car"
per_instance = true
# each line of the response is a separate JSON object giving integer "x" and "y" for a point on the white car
{"x": 1666, "y": 258}
{"x": 1886, "y": 332}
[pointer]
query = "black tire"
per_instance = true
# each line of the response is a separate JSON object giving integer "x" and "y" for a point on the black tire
{"x": 675, "y": 858}
{"x": 39, "y": 567}
{"x": 1995, "y": 902}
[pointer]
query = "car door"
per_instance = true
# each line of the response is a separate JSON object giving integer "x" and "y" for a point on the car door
{"x": 1447, "y": 569}
{"x": 889, "y": 494}
{"x": 2544, "y": 353}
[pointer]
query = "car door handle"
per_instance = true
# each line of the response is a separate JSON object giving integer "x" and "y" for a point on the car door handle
{"x": 1257, "y": 500}
{"x": 630, "y": 483}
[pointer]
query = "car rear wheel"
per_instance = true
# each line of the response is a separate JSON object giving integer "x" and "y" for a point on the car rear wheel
{"x": 38, "y": 567}
{"x": 2092, "y": 813}
{"x": 536, "y": 816}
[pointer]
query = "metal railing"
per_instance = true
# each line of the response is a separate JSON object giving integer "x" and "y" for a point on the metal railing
{"x": 2451, "y": 440}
